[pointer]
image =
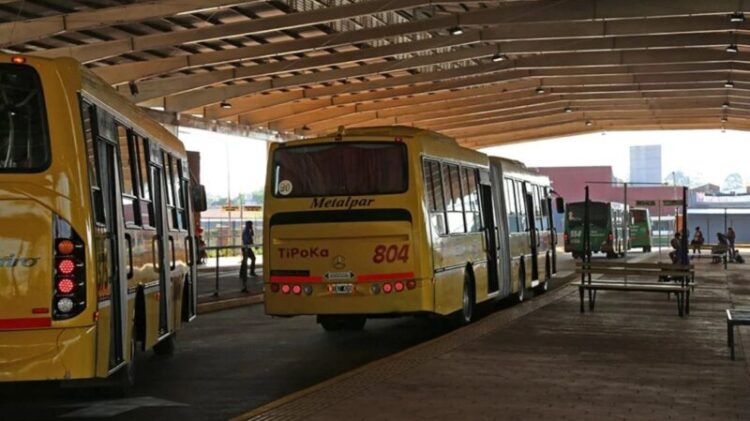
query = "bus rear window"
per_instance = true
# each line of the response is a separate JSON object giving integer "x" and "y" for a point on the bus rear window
{"x": 24, "y": 143}
{"x": 341, "y": 168}
{"x": 598, "y": 212}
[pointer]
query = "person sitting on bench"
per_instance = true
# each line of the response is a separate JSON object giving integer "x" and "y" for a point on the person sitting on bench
{"x": 676, "y": 244}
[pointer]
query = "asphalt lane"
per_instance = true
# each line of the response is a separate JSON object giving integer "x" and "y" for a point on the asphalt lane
{"x": 227, "y": 363}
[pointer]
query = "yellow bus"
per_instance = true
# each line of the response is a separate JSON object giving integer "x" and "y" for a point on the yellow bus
{"x": 384, "y": 221}
{"x": 97, "y": 249}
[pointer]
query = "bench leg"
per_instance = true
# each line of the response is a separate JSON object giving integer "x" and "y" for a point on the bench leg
{"x": 687, "y": 301}
{"x": 592, "y": 299}
{"x": 580, "y": 292}
{"x": 680, "y": 307}
{"x": 730, "y": 337}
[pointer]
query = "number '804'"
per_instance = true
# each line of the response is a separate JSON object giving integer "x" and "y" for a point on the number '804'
{"x": 391, "y": 253}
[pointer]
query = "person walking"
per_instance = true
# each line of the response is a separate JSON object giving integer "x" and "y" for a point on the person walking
{"x": 247, "y": 252}
{"x": 698, "y": 241}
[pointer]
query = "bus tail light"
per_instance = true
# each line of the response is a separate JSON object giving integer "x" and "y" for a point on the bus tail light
{"x": 610, "y": 237}
{"x": 297, "y": 290}
{"x": 375, "y": 288}
{"x": 566, "y": 238}
{"x": 308, "y": 289}
{"x": 69, "y": 278}
{"x": 286, "y": 288}
{"x": 398, "y": 286}
{"x": 274, "y": 287}
{"x": 411, "y": 284}
{"x": 387, "y": 288}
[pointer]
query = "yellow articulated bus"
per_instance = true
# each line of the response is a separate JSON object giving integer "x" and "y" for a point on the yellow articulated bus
{"x": 97, "y": 249}
{"x": 385, "y": 221}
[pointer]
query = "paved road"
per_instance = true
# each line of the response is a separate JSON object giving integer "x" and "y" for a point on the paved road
{"x": 227, "y": 363}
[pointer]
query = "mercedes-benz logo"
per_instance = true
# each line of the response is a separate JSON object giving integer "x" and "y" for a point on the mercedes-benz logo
{"x": 339, "y": 262}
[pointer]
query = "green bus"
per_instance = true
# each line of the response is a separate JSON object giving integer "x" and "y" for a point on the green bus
{"x": 606, "y": 228}
{"x": 640, "y": 229}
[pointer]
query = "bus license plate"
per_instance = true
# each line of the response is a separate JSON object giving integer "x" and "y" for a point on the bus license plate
{"x": 341, "y": 288}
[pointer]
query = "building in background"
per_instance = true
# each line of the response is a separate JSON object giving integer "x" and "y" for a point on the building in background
{"x": 645, "y": 164}
{"x": 570, "y": 183}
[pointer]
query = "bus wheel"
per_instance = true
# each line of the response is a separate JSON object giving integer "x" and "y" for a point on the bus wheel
{"x": 166, "y": 346}
{"x": 355, "y": 322}
{"x": 125, "y": 377}
{"x": 466, "y": 315}
{"x": 647, "y": 249}
{"x": 521, "y": 294}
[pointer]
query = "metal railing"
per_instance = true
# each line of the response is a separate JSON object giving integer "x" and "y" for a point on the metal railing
{"x": 217, "y": 249}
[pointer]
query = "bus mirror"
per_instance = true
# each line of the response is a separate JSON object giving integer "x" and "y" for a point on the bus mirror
{"x": 199, "y": 198}
{"x": 560, "y": 204}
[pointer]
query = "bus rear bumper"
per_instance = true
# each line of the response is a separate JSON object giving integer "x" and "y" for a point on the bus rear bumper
{"x": 418, "y": 300}
{"x": 47, "y": 354}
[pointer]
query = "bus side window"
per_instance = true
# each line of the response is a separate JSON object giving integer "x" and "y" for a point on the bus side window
{"x": 435, "y": 199}
{"x": 179, "y": 195}
{"x": 520, "y": 206}
{"x": 125, "y": 143}
{"x": 510, "y": 205}
{"x": 145, "y": 201}
{"x": 87, "y": 115}
{"x": 169, "y": 176}
{"x": 455, "y": 209}
{"x": 471, "y": 200}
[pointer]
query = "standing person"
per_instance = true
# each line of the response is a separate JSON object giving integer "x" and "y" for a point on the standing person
{"x": 247, "y": 241}
{"x": 697, "y": 241}
{"x": 730, "y": 238}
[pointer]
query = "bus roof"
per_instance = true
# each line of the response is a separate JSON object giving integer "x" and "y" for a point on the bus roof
{"x": 101, "y": 90}
{"x": 429, "y": 142}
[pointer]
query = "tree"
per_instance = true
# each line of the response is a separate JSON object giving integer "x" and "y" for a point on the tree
{"x": 677, "y": 178}
{"x": 733, "y": 184}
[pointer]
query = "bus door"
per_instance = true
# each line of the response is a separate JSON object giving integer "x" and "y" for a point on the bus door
{"x": 533, "y": 232}
{"x": 161, "y": 262}
{"x": 490, "y": 232}
{"x": 552, "y": 233}
{"x": 109, "y": 229}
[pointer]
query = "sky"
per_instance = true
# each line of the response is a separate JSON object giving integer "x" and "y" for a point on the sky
{"x": 712, "y": 154}
{"x": 239, "y": 160}
{"x": 709, "y": 154}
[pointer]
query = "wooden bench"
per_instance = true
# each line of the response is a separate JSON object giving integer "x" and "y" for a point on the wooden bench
{"x": 662, "y": 277}
{"x": 735, "y": 318}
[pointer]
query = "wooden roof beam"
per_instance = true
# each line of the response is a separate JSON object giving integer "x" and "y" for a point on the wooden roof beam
{"x": 22, "y": 31}
{"x": 564, "y": 61}
{"x": 99, "y": 50}
{"x": 155, "y": 88}
{"x": 517, "y": 37}
{"x": 510, "y": 13}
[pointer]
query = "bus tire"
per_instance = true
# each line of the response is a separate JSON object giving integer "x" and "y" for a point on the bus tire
{"x": 521, "y": 294}
{"x": 355, "y": 323}
{"x": 332, "y": 323}
{"x": 166, "y": 346}
{"x": 544, "y": 286}
{"x": 468, "y": 301}
{"x": 125, "y": 376}
{"x": 647, "y": 249}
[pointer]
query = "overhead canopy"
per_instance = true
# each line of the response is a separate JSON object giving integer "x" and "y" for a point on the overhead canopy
{"x": 485, "y": 72}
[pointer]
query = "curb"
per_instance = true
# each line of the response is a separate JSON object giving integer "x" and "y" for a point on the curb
{"x": 226, "y": 304}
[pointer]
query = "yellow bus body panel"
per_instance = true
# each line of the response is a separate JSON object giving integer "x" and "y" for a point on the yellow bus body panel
{"x": 436, "y": 292}
{"x": 76, "y": 348}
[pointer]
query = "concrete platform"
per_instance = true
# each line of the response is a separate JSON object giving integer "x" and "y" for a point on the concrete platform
{"x": 632, "y": 358}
